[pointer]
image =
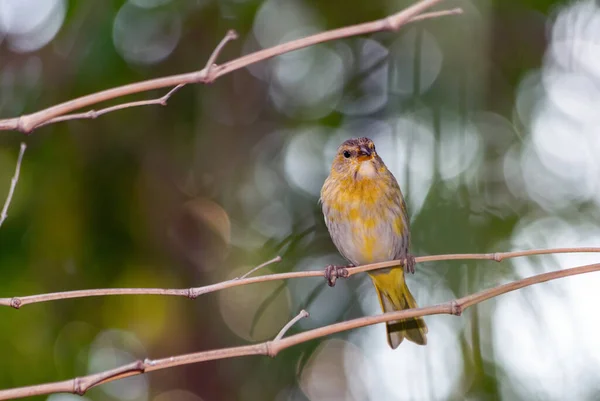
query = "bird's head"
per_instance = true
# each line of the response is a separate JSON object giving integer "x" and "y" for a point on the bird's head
{"x": 357, "y": 157}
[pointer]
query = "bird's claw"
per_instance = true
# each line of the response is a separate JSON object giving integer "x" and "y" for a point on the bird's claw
{"x": 332, "y": 273}
{"x": 409, "y": 265}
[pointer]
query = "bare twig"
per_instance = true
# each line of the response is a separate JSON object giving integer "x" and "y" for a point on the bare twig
{"x": 210, "y": 64}
{"x": 289, "y": 324}
{"x": 13, "y": 184}
{"x": 436, "y": 14}
{"x": 272, "y": 348}
{"x": 17, "y": 302}
{"x": 162, "y": 101}
{"x": 276, "y": 259}
{"x": 27, "y": 123}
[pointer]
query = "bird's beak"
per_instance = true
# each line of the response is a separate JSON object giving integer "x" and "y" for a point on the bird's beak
{"x": 364, "y": 153}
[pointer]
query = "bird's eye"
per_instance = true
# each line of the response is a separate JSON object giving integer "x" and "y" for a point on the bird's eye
{"x": 346, "y": 154}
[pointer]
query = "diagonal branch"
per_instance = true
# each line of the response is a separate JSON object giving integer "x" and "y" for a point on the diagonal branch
{"x": 289, "y": 325}
{"x": 92, "y": 114}
{"x": 272, "y": 348}
{"x": 210, "y": 64}
{"x": 162, "y": 101}
{"x": 436, "y": 14}
{"x": 13, "y": 184}
{"x": 192, "y": 293}
{"x": 276, "y": 259}
{"x": 61, "y": 112}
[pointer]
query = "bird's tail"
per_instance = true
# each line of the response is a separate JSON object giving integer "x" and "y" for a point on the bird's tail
{"x": 394, "y": 295}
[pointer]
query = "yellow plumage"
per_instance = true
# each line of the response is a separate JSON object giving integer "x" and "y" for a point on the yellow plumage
{"x": 366, "y": 216}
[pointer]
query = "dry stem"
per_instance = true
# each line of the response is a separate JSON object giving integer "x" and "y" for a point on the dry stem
{"x": 276, "y": 259}
{"x": 64, "y": 111}
{"x": 289, "y": 324}
{"x": 13, "y": 184}
{"x": 162, "y": 101}
{"x": 271, "y": 348}
{"x": 192, "y": 293}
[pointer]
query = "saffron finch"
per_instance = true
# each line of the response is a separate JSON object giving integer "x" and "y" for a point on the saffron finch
{"x": 365, "y": 214}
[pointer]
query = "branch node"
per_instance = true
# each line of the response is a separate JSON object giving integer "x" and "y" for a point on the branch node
{"x": 332, "y": 273}
{"x": 163, "y": 100}
{"x": 191, "y": 294}
{"x": 269, "y": 349}
{"x": 498, "y": 257}
{"x": 455, "y": 308}
{"x": 15, "y": 302}
{"x": 141, "y": 365}
{"x": 390, "y": 25}
{"x": 207, "y": 77}
{"x": 78, "y": 386}
{"x": 22, "y": 126}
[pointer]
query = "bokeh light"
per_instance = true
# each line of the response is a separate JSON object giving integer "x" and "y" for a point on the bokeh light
{"x": 240, "y": 306}
{"x": 403, "y": 56}
{"x": 346, "y": 367}
{"x": 144, "y": 35}
{"x": 312, "y": 294}
{"x": 29, "y": 24}
{"x": 112, "y": 348}
{"x": 487, "y": 120}
{"x": 177, "y": 395}
{"x": 371, "y": 64}
{"x": 554, "y": 328}
{"x": 558, "y": 160}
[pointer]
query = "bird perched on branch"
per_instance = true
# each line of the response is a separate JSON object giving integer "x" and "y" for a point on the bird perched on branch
{"x": 366, "y": 216}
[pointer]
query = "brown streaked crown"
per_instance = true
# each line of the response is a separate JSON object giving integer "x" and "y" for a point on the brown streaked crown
{"x": 357, "y": 149}
{"x": 355, "y": 142}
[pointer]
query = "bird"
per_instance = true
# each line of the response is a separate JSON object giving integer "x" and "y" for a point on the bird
{"x": 366, "y": 216}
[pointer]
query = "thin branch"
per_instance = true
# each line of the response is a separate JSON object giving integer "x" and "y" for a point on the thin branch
{"x": 162, "y": 101}
{"x": 276, "y": 259}
{"x": 210, "y": 64}
{"x": 28, "y": 122}
{"x": 289, "y": 325}
{"x": 272, "y": 348}
{"x": 436, "y": 14}
{"x": 13, "y": 184}
{"x": 91, "y": 114}
{"x": 192, "y": 293}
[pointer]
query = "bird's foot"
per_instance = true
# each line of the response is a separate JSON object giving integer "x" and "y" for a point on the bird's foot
{"x": 332, "y": 273}
{"x": 409, "y": 264}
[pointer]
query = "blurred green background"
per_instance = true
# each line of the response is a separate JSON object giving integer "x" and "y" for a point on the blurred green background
{"x": 489, "y": 121}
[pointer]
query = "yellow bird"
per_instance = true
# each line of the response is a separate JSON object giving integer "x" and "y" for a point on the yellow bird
{"x": 366, "y": 217}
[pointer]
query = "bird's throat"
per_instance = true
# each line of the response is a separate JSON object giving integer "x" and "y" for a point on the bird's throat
{"x": 366, "y": 170}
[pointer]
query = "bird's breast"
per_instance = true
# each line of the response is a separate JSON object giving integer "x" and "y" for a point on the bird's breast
{"x": 364, "y": 218}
